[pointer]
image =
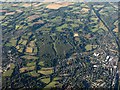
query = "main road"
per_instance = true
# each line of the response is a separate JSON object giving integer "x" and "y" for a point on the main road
{"x": 109, "y": 29}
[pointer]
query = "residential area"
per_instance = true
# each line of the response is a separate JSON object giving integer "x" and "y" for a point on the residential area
{"x": 59, "y": 45}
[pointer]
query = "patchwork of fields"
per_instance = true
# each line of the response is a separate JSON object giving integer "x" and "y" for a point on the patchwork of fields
{"x": 59, "y": 45}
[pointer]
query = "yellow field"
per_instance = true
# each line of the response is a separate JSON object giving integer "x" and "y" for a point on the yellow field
{"x": 29, "y": 50}
{"x": 2, "y": 17}
{"x": 116, "y": 30}
{"x": 46, "y": 80}
{"x": 33, "y": 73}
{"x": 41, "y": 63}
{"x": 32, "y": 44}
{"x": 24, "y": 69}
{"x": 88, "y": 47}
{"x": 101, "y": 25}
{"x": 28, "y": 57}
{"x": 85, "y": 10}
{"x": 24, "y": 42}
{"x": 46, "y": 71}
{"x": 57, "y": 78}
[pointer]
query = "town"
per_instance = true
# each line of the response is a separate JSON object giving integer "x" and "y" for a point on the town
{"x": 59, "y": 45}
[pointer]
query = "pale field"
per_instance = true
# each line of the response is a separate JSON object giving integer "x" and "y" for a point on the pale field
{"x": 32, "y": 44}
{"x": 15, "y": 5}
{"x": 2, "y": 17}
{"x": 17, "y": 47}
{"x": 116, "y": 30}
{"x": 32, "y": 17}
{"x": 76, "y": 35}
{"x": 10, "y": 13}
{"x": 19, "y": 11}
{"x": 85, "y": 10}
{"x": 26, "y": 5}
{"x": 101, "y": 25}
{"x": 29, "y": 50}
{"x": 3, "y": 11}
{"x": 58, "y": 5}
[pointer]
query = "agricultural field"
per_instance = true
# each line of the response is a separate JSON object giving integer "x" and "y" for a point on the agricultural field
{"x": 59, "y": 45}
